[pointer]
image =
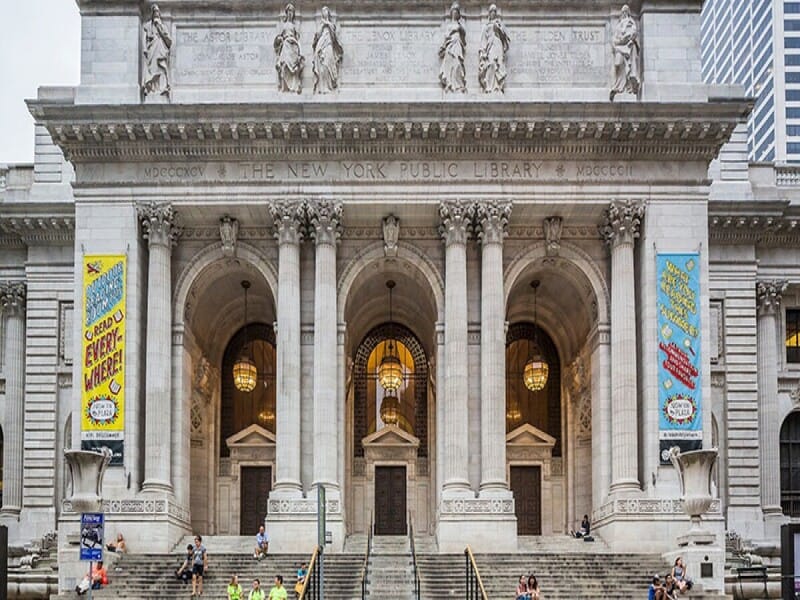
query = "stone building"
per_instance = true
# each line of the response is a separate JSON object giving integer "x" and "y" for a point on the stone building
{"x": 463, "y": 155}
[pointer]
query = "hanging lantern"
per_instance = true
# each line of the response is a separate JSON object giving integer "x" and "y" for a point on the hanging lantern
{"x": 536, "y": 368}
{"x": 513, "y": 413}
{"x": 266, "y": 417}
{"x": 390, "y": 371}
{"x": 245, "y": 374}
{"x": 390, "y": 410}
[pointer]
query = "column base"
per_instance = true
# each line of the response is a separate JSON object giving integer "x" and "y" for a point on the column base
{"x": 773, "y": 520}
{"x": 157, "y": 486}
{"x": 485, "y": 524}
{"x": 287, "y": 489}
{"x": 292, "y": 523}
{"x": 457, "y": 488}
{"x": 625, "y": 488}
{"x": 10, "y": 512}
{"x": 495, "y": 489}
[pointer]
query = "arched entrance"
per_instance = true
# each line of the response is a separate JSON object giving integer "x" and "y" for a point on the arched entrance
{"x": 389, "y": 463}
{"x": 790, "y": 465}
{"x": 549, "y": 443}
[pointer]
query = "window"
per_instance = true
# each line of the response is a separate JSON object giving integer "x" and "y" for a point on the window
{"x": 793, "y": 335}
{"x": 790, "y": 465}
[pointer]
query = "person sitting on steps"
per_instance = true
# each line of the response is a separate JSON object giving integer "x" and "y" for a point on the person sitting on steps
{"x": 262, "y": 544}
{"x": 184, "y": 571}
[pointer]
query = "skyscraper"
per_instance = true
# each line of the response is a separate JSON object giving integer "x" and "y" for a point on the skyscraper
{"x": 756, "y": 43}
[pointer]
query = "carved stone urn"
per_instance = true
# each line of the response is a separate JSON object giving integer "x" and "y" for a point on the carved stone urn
{"x": 87, "y": 469}
{"x": 694, "y": 472}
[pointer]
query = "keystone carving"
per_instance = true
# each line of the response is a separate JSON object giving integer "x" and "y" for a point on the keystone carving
{"x": 391, "y": 234}
{"x": 553, "y": 227}
{"x": 228, "y": 232}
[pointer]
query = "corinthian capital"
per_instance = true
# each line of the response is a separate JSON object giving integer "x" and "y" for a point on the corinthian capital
{"x": 492, "y": 221}
{"x": 12, "y": 297}
{"x": 456, "y": 219}
{"x": 159, "y": 223}
{"x": 769, "y": 294}
{"x": 622, "y": 221}
{"x": 288, "y": 219}
{"x": 325, "y": 220}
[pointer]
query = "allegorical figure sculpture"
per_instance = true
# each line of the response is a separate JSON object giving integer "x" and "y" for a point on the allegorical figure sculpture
{"x": 155, "y": 79}
{"x": 627, "y": 68}
{"x": 328, "y": 54}
{"x": 492, "y": 54}
{"x": 288, "y": 60}
{"x": 452, "y": 74}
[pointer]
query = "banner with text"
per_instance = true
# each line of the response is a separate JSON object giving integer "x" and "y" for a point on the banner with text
{"x": 679, "y": 390}
{"x": 103, "y": 364}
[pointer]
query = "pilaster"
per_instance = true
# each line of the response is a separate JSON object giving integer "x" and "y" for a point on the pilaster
{"x": 620, "y": 230}
{"x": 13, "y": 297}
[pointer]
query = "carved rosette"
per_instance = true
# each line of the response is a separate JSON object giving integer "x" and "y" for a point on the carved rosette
{"x": 12, "y": 298}
{"x": 159, "y": 224}
{"x": 228, "y": 233}
{"x": 391, "y": 234}
{"x": 769, "y": 295}
{"x": 456, "y": 219}
{"x": 325, "y": 221}
{"x": 492, "y": 221}
{"x": 622, "y": 222}
{"x": 288, "y": 219}
{"x": 552, "y": 227}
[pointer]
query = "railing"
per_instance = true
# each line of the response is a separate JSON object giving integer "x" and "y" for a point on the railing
{"x": 474, "y": 584}
{"x": 311, "y": 584}
{"x": 365, "y": 566}
{"x": 413, "y": 557}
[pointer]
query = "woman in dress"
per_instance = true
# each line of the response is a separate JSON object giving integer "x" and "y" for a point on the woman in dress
{"x": 155, "y": 79}
{"x": 327, "y": 55}
{"x": 626, "y": 55}
{"x": 288, "y": 60}
{"x": 452, "y": 74}
{"x": 492, "y": 55}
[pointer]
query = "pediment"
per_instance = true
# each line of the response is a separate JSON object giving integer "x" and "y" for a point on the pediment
{"x": 252, "y": 436}
{"x": 391, "y": 435}
{"x": 528, "y": 435}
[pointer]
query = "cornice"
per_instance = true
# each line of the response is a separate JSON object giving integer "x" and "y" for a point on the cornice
{"x": 762, "y": 230}
{"x": 18, "y": 231}
{"x": 92, "y": 133}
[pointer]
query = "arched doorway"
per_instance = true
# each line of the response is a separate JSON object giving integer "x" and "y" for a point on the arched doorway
{"x": 790, "y": 465}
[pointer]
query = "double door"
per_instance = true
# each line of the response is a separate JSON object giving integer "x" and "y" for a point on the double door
{"x": 526, "y": 484}
{"x": 256, "y": 484}
{"x": 390, "y": 501}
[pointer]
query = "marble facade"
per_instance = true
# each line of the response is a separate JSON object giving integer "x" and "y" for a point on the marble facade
{"x": 222, "y": 173}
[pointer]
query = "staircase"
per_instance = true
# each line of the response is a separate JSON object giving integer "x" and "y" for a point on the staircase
{"x": 390, "y": 570}
{"x": 151, "y": 576}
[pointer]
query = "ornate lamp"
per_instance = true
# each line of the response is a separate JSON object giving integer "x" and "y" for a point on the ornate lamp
{"x": 390, "y": 371}
{"x": 390, "y": 409}
{"x": 513, "y": 413}
{"x": 267, "y": 417}
{"x": 536, "y": 369}
{"x": 245, "y": 373}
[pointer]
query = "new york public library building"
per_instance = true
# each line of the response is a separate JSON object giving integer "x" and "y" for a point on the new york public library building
{"x": 461, "y": 265}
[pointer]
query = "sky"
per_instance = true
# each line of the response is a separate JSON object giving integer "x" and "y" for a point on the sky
{"x": 40, "y": 46}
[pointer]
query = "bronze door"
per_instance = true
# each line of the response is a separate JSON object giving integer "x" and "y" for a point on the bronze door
{"x": 526, "y": 483}
{"x": 256, "y": 483}
{"x": 390, "y": 501}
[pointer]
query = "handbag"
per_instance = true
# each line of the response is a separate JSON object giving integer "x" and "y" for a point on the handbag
{"x": 298, "y": 587}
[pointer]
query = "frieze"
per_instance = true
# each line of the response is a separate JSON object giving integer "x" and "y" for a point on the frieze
{"x": 138, "y": 507}
{"x": 377, "y": 171}
{"x": 302, "y": 506}
{"x": 648, "y": 506}
{"x": 472, "y": 506}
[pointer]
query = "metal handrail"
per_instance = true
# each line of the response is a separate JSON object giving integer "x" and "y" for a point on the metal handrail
{"x": 364, "y": 567}
{"x": 414, "y": 557}
{"x": 311, "y": 587}
{"x": 473, "y": 583}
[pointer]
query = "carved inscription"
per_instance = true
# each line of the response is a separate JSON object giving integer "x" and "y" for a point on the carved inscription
{"x": 569, "y": 55}
{"x": 223, "y": 55}
{"x": 478, "y": 171}
{"x": 390, "y": 56}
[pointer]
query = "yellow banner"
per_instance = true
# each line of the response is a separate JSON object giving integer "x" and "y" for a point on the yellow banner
{"x": 103, "y": 356}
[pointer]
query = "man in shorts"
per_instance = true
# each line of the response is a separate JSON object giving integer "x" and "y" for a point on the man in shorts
{"x": 262, "y": 543}
{"x": 199, "y": 566}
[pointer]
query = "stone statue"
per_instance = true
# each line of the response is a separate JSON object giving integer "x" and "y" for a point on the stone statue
{"x": 288, "y": 60}
{"x": 452, "y": 74}
{"x": 155, "y": 79}
{"x": 492, "y": 54}
{"x": 625, "y": 45}
{"x": 328, "y": 54}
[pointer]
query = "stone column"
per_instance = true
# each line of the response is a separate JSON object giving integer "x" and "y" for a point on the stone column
{"x": 160, "y": 231}
{"x": 288, "y": 220}
{"x": 492, "y": 221}
{"x": 325, "y": 220}
{"x": 768, "y": 295}
{"x": 620, "y": 231}
{"x": 456, "y": 218}
{"x": 12, "y": 306}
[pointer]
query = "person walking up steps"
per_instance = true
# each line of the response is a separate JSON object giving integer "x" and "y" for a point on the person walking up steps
{"x": 199, "y": 566}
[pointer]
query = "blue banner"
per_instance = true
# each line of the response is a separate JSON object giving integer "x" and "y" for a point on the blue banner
{"x": 679, "y": 390}
{"x": 92, "y": 525}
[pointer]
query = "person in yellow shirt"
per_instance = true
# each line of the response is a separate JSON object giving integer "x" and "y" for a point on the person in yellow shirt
{"x": 234, "y": 589}
{"x": 256, "y": 593}
{"x": 278, "y": 592}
